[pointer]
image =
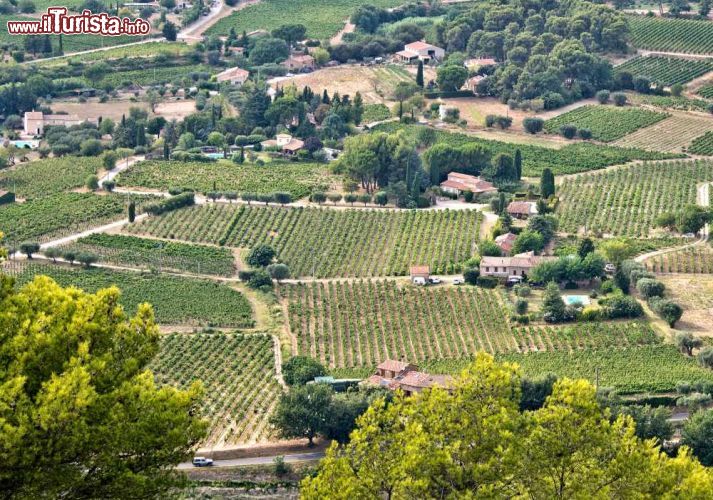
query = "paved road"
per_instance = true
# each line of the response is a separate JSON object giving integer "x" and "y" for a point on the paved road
{"x": 238, "y": 462}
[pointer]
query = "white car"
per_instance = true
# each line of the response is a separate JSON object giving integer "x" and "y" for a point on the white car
{"x": 434, "y": 280}
{"x": 419, "y": 281}
{"x": 610, "y": 269}
{"x": 458, "y": 281}
{"x": 202, "y": 462}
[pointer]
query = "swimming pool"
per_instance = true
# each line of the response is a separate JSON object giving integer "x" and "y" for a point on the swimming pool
{"x": 571, "y": 300}
{"x": 25, "y": 144}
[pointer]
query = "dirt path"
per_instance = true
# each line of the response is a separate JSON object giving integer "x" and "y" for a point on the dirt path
{"x": 348, "y": 28}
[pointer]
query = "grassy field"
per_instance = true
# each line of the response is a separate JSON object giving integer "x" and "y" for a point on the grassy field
{"x": 324, "y": 243}
{"x": 694, "y": 293}
{"x": 667, "y": 70}
{"x": 176, "y": 300}
{"x": 671, "y": 35}
{"x": 626, "y": 201}
{"x": 673, "y": 134}
{"x": 607, "y": 123}
{"x": 298, "y": 179}
{"x": 374, "y": 83}
{"x": 351, "y": 325}
{"x": 145, "y": 253}
{"x": 238, "y": 375}
{"x": 323, "y": 18}
{"x": 570, "y": 159}
{"x": 59, "y": 214}
{"x": 45, "y": 177}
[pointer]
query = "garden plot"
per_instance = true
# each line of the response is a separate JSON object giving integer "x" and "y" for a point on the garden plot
{"x": 673, "y": 134}
{"x": 626, "y": 201}
{"x": 238, "y": 375}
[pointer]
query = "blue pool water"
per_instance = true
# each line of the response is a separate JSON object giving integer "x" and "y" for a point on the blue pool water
{"x": 571, "y": 300}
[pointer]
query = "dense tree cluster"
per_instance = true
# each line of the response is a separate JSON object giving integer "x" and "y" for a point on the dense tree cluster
{"x": 548, "y": 49}
{"x": 475, "y": 440}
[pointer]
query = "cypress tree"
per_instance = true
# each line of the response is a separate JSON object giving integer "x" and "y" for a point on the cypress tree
{"x": 419, "y": 74}
{"x": 132, "y": 211}
{"x": 547, "y": 183}
{"x": 518, "y": 165}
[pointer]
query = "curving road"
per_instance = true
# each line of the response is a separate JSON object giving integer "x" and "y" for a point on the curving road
{"x": 239, "y": 462}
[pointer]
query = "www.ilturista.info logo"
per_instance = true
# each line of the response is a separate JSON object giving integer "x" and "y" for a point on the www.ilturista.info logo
{"x": 56, "y": 21}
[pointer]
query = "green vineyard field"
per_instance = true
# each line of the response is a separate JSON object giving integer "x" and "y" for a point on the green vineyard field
{"x": 50, "y": 176}
{"x": 666, "y": 70}
{"x": 238, "y": 375}
{"x": 607, "y": 123}
{"x": 330, "y": 243}
{"x": 298, "y": 179}
{"x": 626, "y": 201}
{"x": 357, "y": 324}
{"x": 155, "y": 254}
{"x": 698, "y": 260}
{"x": 702, "y": 145}
{"x": 671, "y": 35}
{"x": 176, "y": 300}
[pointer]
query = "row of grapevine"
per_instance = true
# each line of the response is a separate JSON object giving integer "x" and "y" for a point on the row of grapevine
{"x": 328, "y": 242}
{"x": 359, "y": 324}
{"x": 666, "y": 70}
{"x": 49, "y": 176}
{"x": 672, "y": 134}
{"x": 702, "y": 145}
{"x": 238, "y": 375}
{"x": 626, "y": 201}
{"x": 697, "y": 260}
{"x": 671, "y": 35}
{"x": 176, "y": 300}
{"x": 146, "y": 253}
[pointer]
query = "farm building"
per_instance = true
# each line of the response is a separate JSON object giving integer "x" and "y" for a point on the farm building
{"x": 472, "y": 83}
{"x": 299, "y": 62}
{"x": 395, "y": 375}
{"x": 287, "y": 144}
{"x": 35, "y": 122}
{"x": 236, "y": 76}
{"x": 420, "y": 51}
{"x": 6, "y": 197}
{"x": 423, "y": 272}
{"x": 517, "y": 265}
{"x": 505, "y": 242}
{"x": 458, "y": 183}
{"x": 522, "y": 209}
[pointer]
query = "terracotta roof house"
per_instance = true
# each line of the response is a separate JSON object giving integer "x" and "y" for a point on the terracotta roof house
{"x": 522, "y": 209}
{"x": 236, "y": 76}
{"x": 472, "y": 83}
{"x": 506, "y": 242}
{"x": 458, "y": 183}
{"x": 394, "y": 375}
{"x": 517, "y": 265}
{"x": 35, "y": 122}
{"x": 480, "y": 61}
{"x": 420, "y": 51}
{"x": 299, "y": 62}
{"x": 287, "y": 144}
{"x": 420, "y": 272}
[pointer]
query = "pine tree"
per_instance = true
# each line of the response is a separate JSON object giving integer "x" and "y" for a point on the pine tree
{"x": 419, "y": 74}
{"x": 325, "y": 97}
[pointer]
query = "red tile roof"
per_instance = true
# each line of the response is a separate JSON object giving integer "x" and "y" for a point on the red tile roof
{"x": 522, "y": 207}
{"x": 392, "y": 365}
{"x": 420, "y": 270}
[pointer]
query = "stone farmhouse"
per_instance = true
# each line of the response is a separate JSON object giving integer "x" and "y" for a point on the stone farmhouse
{"x": 35, "y": 122}
{"x": 458, "y": 184}
{"x": 299, "y": 62}
{"x": 395, "y": 375}
{"x": 517, "y": 265}
{"x": 505, "y": 242}
{"x": 236, "y": 76}
{"x": 288, "y": 145}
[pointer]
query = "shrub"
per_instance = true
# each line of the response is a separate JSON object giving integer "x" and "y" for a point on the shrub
{"x": 667, "y": 309}
{"x": 487, "y": 281}
{"x": 619, "y": 98}
{"x": 260, "y": 256}
{"x": 603, "y": 96}
{"x": 471, "y": 275}
{"x": 522, "y": 290}
{"x": 172, "y": 203}
{"x": 648, "y": 288}
{"x": 260, "y": 280}
{"x": 585, "y": 133}
{"x": 533, "y": 125}
{"x": 92, "y": 182}
{"x": 302, "y": 369}
{"x": 568, "y": 131}
{"x": 521, "y": 306}
{"x": 621, "y": 306}
{"x": 592, "y": 313}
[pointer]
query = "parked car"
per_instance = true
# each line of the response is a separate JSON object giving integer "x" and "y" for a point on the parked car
{"x": 514, "y": 280}
{"x": 610, "y": 269}
{"x": 419, "y": 281}
{"x": 434, "y": 281}
{"x": 458, "y": 281}
{"x": 202, "y": 462}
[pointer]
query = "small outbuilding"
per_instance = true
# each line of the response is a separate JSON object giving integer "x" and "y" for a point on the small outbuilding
{"x": 420, "y": 272}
